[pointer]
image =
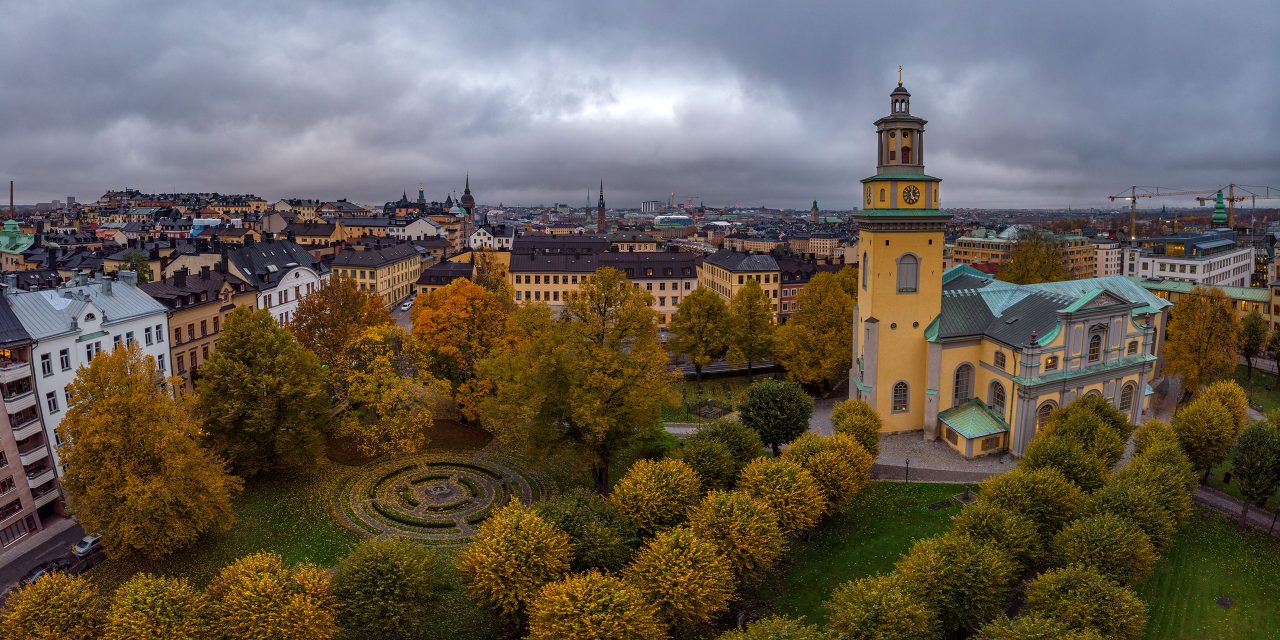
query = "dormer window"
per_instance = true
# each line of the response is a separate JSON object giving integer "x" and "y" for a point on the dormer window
{"x": 89, "y": 317}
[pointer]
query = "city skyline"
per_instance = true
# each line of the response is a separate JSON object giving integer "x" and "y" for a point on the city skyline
{"x": 1029, "y": 106}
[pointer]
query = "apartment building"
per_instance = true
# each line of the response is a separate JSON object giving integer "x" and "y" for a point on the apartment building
{"x": 1108, "y": 257}
{"x": 552, "y": 278}
{"x": 389, "y": 271}
{"x": 986, "y": 245}
{"x": 726, "y": 271}
{"x": 1209, "y": 258}
{"x": 197, "y": 304}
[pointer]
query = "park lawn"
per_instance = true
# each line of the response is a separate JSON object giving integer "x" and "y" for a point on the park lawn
{"x": 730, "y": 391}
{"x": 1209, "y": 558}
{"x": 878, "y": 530}
{"x": 1233, "y": 487}
{"x": 288, "y": 515}
{"x": 1261, "y": 389}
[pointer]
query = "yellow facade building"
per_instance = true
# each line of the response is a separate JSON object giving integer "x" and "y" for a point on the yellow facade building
{"x": 961, "y": 356}
{"x": 391, "y": 271}
{"x": 726, "y": 271}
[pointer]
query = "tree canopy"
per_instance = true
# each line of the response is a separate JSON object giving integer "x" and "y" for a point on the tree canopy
{"x": 1253, "y": 337}
{"x": 259, "y": 597}
{"x": 330, "y": 318}
{"x": 390, "y": 395}
{"x": 459, "y": 325}
{"x": 1035, "y": 257}
{"x": 1255, "y": 462}
{"x": 815, "y": 346}
{"x": 1204, "y": 335}
{"x": 778, "y": 410}
{"x": 751, "y": 328}
{"x": 700, "y": 328}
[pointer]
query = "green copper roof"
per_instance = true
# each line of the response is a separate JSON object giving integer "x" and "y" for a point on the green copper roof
{"x": 902, "y": 176}
{"x": 1067, "y": 374}
{"x": 1082, "y": 300}
{"x": 972, "y": 419}
{"x": 1048, "y": 337}
{"x": 13, "y": 240}
{"x": 1250, "y": 294}
{"x": 1219, "y": 210}
{"x": 902, "y": 213}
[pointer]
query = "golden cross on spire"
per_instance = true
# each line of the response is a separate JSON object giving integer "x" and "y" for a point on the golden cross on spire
{"x": 899, "y": 75}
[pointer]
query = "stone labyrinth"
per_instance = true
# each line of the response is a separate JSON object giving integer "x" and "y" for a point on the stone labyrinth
{"x": 432, "y": 497}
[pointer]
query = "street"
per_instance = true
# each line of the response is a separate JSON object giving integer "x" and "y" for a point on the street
{"x": 56, "y": 546}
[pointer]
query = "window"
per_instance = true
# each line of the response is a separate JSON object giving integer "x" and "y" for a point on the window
{"x": 882, "y": 190}
{"x": 1051, "y": 363}
{"x": 863, "y": 267}
{"x": 991, "y": 443}
{"x": 1095, "y": 347}
{"x": 204, "y": 329}
{"x": 1043, "y": 413}
{"x": 88, "y": 352}
{"x": 999, "y": 360}
{"x": 1126, "y": 397}
{"x": 159, "y": 333}
{"x": 963, "y": 389}
{"x": 128, "y": 338}
{"x": 900, "y": 397}
{"x": 46, "y": 364}
{"x": 908, "y": 273}
{"x": 181, "y": 363}
{"x": 116, "y": 341}
{"x": 1133, "y": 347}
{"x": 191, "y": 331}
{"x": 51, "y": 401}
{"x": 996, "y": 398}
{"x": 1093, "y": 394}
{"x": 160, "y": 362}
{"x": 215, "y": 324}
{"x": 952, "y": 437}
{"x": 64, "y": 359}
{"x": 177, "y": 335}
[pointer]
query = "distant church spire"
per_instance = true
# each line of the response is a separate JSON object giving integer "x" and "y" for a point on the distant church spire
{"x": 602, "y": 224}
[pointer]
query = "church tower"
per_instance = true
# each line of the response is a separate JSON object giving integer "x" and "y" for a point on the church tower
{"x": 900, "y": 275}
{"x": 602, "y": 225}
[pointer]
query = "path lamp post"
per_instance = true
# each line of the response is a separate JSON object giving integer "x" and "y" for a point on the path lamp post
{"x": 907, "y": 477}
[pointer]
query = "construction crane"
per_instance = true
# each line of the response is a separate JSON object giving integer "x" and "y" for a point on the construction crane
{"x": 1231, "y": 198}
{"x": 1150, "y": 192}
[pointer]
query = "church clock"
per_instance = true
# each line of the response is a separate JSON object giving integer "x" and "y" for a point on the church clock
{"x": 911, "y": 194}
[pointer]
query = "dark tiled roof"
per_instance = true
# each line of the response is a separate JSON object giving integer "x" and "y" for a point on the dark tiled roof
{"x": 311, "y": 229}
{"x": 739, "y": 261}
{"x": 445, "y": 272}
{"x": 266, "y": 262}
{"x": 375, "y": 257}
{"x": 198, "y": 284}
{"x": 11, "y": 331}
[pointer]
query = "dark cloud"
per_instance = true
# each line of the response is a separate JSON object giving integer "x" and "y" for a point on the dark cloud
{"x": 1030, "y": 104}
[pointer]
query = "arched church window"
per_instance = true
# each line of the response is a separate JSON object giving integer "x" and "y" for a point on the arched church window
{"x": 1093, "y": 394}
{"x": 963, "y": 384}
{"x": 1126, "y": 396}
{"x": 1043, "y": 413}
{"x": 864, "y": 267}
{"x": 1095, "y": 347}
{"x": 996, "y": 397}
{"x": 900, "y": 396}
{"x": 908, "y": 273}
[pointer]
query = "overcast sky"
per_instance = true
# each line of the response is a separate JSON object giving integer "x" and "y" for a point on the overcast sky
{"x": 1030, "y": 104}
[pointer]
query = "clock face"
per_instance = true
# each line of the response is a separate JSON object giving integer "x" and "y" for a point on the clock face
{"x": 911, "y": 194}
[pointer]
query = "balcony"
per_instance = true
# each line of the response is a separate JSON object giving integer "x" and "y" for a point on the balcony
{"x": 13, "y": 371}
{"x": 39, "y": 477}
{"x": 27, "y": 428}
{"x": 41, "y": 498}
{"x": 19, "y": 401}
{"x": 33, "y": 455}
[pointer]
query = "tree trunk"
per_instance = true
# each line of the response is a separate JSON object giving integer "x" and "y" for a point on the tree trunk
{"x": 697, "y": 368}
{"x": 749, "y": 369}
{"x": 600, "y": 475}
{"x": 777, "y": 451}
{"x": 1244, "y": 513}
{"x": 1248, "y": 361}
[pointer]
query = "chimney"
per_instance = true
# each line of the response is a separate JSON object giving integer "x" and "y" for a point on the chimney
{"x": 204, "y": 272}
{"x": 128, "y": 277}
{"x": 10, "y": 282}
{"x": 106, "y": 286}
{"x": 180, "y": 277}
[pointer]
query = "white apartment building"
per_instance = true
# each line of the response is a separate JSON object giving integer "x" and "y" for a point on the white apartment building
{"x": 415, "y": 229}
{"x": 282, "y": 272}
{"x": 1210, "y": 258}
{"x": 71, "y": 325}
{"x": 1108, "y": 257}
{"x": 492, "y": 237}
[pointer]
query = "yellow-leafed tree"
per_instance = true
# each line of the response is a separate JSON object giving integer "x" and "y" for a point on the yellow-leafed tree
{"x": 700, "y": 328}
{"x": 329, "y": 319}
{"x": 134, "y": 469}
{"x": 258, "y": 597}
{"x": 57, "y": 607}
{"x": 148, "y": 607}
{"x": 514, "y": 555}
{"x": 751, "y": 328}
{"x": 1035, "y": 258}
{"x": 684, "y": 576}
{"x": 839, "y": 463}
{"x": 459, "y": 325}
{"x": 390, "y": 395}
{"x": 789, "y": 490}
{"x": 656, "y": 494}
{"x": 744, "y": 529}
{"x": 1203, "y": 335}
{"x": 592, "y": 606}
{"x": 815, "y": 346}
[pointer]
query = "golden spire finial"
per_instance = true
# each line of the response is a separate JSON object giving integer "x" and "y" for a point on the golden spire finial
{"x": 899, "y": 75}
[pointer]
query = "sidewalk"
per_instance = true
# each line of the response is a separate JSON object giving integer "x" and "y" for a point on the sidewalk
{"x": 1230, "y": 506}
{"x": 24, "y": 546}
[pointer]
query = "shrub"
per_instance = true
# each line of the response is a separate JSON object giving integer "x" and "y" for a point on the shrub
{"x": 653, "y": 443}
{"x": 883, "y": 607}
{"x": 1043, "y": 496}
{"x": 856, "y": 418}
{"x": 1166, "y": 483}
{"x": 1206, "y": 430}
{"x": 386, "y": 586}
{"x": 1114, "y": 546}
{"x": 684, "y": 576}
{"x": 712, "y": 461}
{"x": 148, "y": 607}
{"x": 259, "y": 597}
{"x": 742, "y": 528}
{"x": 776, "y": 628}
{"x": 1230, "y": 395}
{"x": 1033, "y": 628}
{"x": 840, "y": 464}
{"x": 515, "y": 553}
{"x": 57, "y": 607}
{"x": 592, "y": 606}
{"x": 1084, "y": 599}
{"x": 789, "y": 490}
{"x": 778, "y": 410}
{"x": 1089, "y": 429}
{"x": 655, "y": 494}
{"x": 1113, "y": 417}
{"x": 1069, "y": 457}
{"x": 744, "y": 444}
{"x": 1016, "y": 534}
{"x": 602, "y": 538}
{"x": 968, "y": 581}
{"x": 1152, "y": 432}
{"x": 1131, "y": 500}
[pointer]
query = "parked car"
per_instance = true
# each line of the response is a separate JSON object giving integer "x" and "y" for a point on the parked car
{"x": 45, "y": 568}
{"x": 406, "y": 305}
{"x": 87, "y": 545}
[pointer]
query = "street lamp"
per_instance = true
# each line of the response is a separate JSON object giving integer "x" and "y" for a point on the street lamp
{"x": 907, "y": 477}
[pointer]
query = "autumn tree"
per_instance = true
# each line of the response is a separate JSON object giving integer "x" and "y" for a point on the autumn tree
{"x": 744, "y": 529}
{"x": 1035, "y": 257}
{"x": 387, "y": 586}
{"x": 491, "y": 273}
{"x": 602, "y": 537}
{"x": 1233, "y": 398}
{"x": 148, "y": 607}
{"x": 815, "y": 346}
{"x": 1033, "y": 627}
{"x": 788, "y": 490}
{"x": 856, "y": 418}
{"x": 59, "y": 606}
{"x": 1203, "y": 339}
{"x": 590, "y": 381}
{"x": 656, "y": 494}
{"x": 1253, "y": 337}
{"x": 839, "y": 463}
{"x": 881, "y": 607}
{"x": 459, "y": 325}
{"x": 593, "y": 606}
{"x": 742, "y": 442}
{"x": 1113, "y": 545}
{"x": 1043, "y": 496}
{"x": 969, "y": 581}
{"x": 1069, "y": 457}
{"x": 1255, "y": 463}
{"x": 1083, "y": 599}
{"x": 751, "y": 328}
{"x": 390, "y": 397}
{"x": 700, "y": 328}
{"x": 1206, "y": 430}
{"x": 1134, "y": 502}
{"x": 778, "y": 410}
{"x": 137, "y": 262}
{"x": 259, "y": 597}
{"x": 711, "y": 460}
{"x": 332, "y": 317}
{"x": 134, "y": 470}
{"x": 1165, "y": 481}
{"x": 1088, "y": 429}
{"x": 515, "y": 553}
{"x": 776, "y": 628}
{"x": 1273, "y": 345}
{"x": 684, "y": 576}
{"x": 1016, "y": 534}
{"x": 263, "y": 396}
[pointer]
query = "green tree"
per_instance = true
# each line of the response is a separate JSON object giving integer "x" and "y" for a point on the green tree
{"x": 712, "y": 461}
{"x": 700, "y": 329}
{"x": 148, "y": 607}
{"x": 751, "y": 328}
{"x": 258, "y": 597}
{"x": 1153, "y": 432}
{"x": 602, "y": 538}
{"x": 1255, "y": 462}
{"x": 1206, "y": 431}
{"x": 137, "y": 262}
{"x": 57, "y": 607}
{"x": 330, "y": 318}
{"x": 656, "y": 494}
{"x": 591, "y": 381}
{"x": 593, "y": 606}
{"x": 387, "y": 586}
{"x": 1091, "y": 431}
{"x": 1032, "y": 627}
{"x": 1016, "y": 534}
{"x": 389, "y": 395}
{"x": 263, "y": 396}
{"x": 1113, "y": 545}
{"x": 841, "y": 466}
{"x": 1100, "y": 407}
{"x": 743, "y": 442}
{"x": 1067, "y": 456}
{"x": 1083, "y": 600}
{"x": 515, "y": 553}
{"x": 134, "y": 470}
{"x": 1203, "y": 337}
{"x": 858, "y": 419}
{"x": 684, "y": 576}
{"x": 1163, "y": 481}
{"x": 743, "y": 528}
{"x": 790, "y": 491}
{"x": 778, "y": 410}
{"x": 815, "y": 346}
{"x": 1273, "y": 345}
{"x": 969, "y": 581}
{"x": 1232, "y": 396}
{"x": 1043, "y": 496}
{"x": 1253, "y": 337}
{"x": 776, "y": 628}
{"x": 881, "y": 607}
{"x": 1129, "y": 499}
{"x": 1036, "y": 257}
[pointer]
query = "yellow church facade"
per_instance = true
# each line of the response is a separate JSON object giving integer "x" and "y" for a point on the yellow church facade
{"x": 961, "y": 356}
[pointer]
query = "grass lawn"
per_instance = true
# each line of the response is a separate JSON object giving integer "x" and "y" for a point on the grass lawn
{"x": 869, "y": 539}
{"x": 730, "y": 391}
{"x": 1211, "y": 557}
{"x": 1262, "y": 389}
